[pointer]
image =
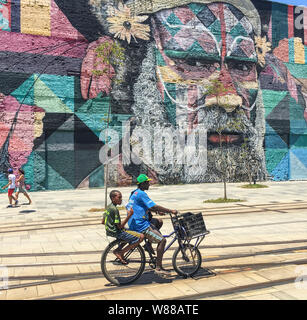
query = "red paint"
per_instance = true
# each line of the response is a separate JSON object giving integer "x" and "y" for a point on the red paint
{"x": 290, "y": 21}
{"x": 223, "y": 30}
{"x": 224, "y": 138}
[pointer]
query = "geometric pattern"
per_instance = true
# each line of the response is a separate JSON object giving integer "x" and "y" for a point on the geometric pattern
{"x": 37, "y": 72}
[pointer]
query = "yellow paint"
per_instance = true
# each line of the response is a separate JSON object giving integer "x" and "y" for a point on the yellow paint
{"x": 250, "y": 85}
{"x": 170, "y": 76}
{"x": 35, "y": 17}
{"x": 299, "y": 51}
{"x": 38, "y": 124}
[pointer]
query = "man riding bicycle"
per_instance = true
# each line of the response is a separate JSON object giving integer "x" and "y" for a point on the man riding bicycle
{"x": 139, "y": 222}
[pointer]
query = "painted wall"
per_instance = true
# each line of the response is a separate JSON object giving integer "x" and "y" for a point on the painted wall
{"x": 58, "y": 88}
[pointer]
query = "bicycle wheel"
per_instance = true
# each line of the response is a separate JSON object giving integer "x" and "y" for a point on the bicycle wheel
{"x": 118, "y": 273}
{"x": 186, "y": 260}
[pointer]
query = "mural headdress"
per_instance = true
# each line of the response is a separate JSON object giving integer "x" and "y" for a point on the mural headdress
{"x": 129, "y": 22}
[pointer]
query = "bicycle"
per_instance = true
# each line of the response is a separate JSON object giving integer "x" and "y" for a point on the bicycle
{"x": 186, "y": 259}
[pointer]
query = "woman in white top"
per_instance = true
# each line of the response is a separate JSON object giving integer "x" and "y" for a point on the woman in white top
{"x": 21, "y": 186}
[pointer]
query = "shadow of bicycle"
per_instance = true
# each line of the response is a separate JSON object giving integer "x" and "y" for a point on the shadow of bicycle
{"x": 149, "y": 277}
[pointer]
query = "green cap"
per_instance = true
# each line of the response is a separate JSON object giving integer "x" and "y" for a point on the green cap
{"x": 142, "y": 178}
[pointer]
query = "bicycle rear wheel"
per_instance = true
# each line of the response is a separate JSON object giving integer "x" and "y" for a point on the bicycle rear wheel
{"x": 186, "y": 260}
{"x": 118, "y": 273}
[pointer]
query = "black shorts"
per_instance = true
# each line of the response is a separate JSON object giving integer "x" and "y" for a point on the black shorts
{"x": 155, "y": 224}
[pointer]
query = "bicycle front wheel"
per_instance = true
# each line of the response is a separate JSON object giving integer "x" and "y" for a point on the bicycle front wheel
{"x": 186, "y": 260}
{"x": 118, "y": 273}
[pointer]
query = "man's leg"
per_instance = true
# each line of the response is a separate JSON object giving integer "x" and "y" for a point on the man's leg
{"x": 155, "y": 236}
{"x": 131, "y": 237}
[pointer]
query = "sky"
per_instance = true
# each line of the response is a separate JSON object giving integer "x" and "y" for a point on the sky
{"x": 294, "y": 2}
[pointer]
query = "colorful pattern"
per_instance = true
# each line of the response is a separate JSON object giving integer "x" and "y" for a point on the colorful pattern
{"x": 51, "y": 116}
{"x": 190, "y": 59}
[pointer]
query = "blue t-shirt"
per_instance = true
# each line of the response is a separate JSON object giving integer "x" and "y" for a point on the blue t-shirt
{"x": 140, "y": 202}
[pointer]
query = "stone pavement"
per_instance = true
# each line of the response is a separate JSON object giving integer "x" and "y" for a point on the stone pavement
{"x": 52, "y": 248}
{"x": 75, "y": 202}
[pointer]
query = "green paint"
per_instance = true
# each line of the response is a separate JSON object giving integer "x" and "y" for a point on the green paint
{"x": 279, "y": 23}
{"x": 297, "y": 70}
{"x": 45, "y": 98}
{"x": 271, "y": 99}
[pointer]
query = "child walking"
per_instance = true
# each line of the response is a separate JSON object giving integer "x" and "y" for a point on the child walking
{"x": 115, "y": 228}
{"x": 11, "y": 187}
{"x": 21, "y": 186}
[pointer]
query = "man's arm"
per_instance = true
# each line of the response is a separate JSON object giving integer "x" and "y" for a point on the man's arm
{"x": 160, "y": 209}
{"x": 129, "y": 215}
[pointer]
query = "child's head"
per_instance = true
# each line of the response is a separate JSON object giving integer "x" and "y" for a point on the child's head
{"x": 116, "y": 197}
{"x": 10, "y": 170}
{"x": 21, "y": 171}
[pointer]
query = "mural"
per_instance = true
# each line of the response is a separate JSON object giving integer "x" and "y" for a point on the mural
{"x": 145, "y": 72}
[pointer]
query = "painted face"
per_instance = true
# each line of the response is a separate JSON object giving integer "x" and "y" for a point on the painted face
{"x": 197, "y": 44}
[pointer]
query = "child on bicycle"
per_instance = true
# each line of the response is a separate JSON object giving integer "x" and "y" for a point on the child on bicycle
{"x": 142, "y": 204}
{"x": 115, "y": 228}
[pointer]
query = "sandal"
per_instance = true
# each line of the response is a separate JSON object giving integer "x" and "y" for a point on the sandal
{"x": 119, "y": 257}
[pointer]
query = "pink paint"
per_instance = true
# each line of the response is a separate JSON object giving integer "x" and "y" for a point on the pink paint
{"x": 92, "y": 85}
{"x": 290, "y": 21}
{"x": 270, "y": 30}
{"x": 22, "y": 138}
{"x": 6, "y": 12}
{"x": 18, "y": 42}
{"x": 184, "y": 14}
{"x": 61, "y": 26}
{"x": 292, "y": 86}
{"x": 282, "y": 51}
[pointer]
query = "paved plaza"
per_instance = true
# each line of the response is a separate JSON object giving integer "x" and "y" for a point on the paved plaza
{"x": 256, "y": 248}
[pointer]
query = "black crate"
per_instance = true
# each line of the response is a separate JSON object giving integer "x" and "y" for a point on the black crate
{"x": 193, "y": 224}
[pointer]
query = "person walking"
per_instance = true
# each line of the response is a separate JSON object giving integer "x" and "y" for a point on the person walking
{"x": 11, "y": 187}
{"x": 21, "y": 186}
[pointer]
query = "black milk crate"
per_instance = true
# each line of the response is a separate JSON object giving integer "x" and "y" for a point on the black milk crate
{"x": 193, "y": 224}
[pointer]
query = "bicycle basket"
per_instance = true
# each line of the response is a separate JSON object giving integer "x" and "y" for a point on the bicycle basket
{"x": 193, "y": 224}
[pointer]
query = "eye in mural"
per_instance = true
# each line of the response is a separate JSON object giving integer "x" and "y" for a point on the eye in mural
{"x": 144, "y": 69}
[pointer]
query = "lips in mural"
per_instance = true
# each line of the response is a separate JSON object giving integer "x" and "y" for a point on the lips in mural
{"x": 230, "y": 138}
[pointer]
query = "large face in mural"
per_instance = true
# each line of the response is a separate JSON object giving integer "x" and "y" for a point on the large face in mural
{"x": 196, "y": 48}
{"x": 210, "y": 72}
